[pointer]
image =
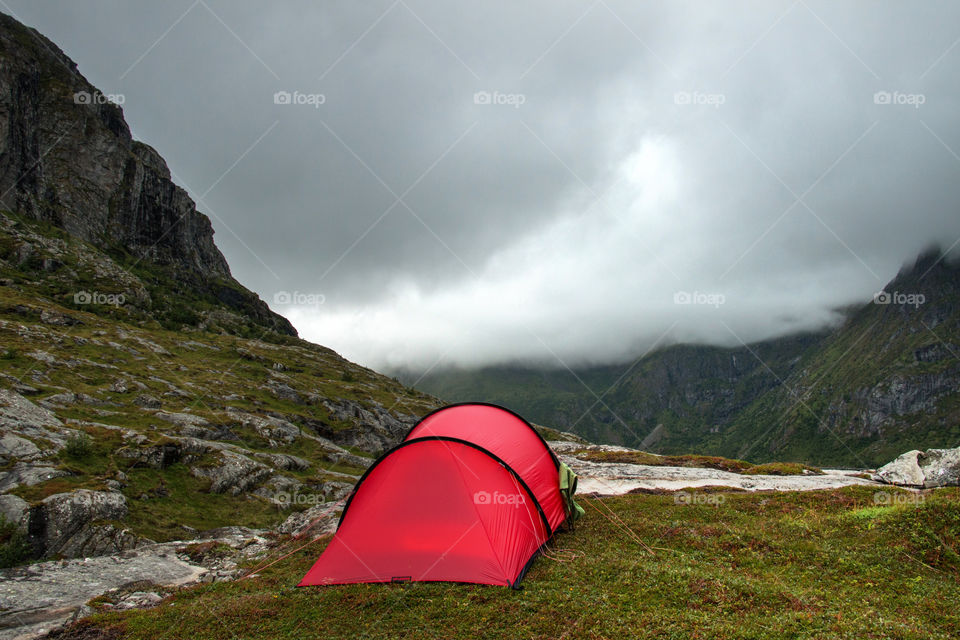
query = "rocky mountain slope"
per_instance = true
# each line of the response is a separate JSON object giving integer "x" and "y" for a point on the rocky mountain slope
{"x": 67, "y": 159}
{"x": 145, "y": 395}
{"x": 886, "y": 380}
{"x": 113, "y": 433}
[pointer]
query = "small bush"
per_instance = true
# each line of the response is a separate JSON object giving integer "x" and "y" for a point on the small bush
{"x": 14, "y": 548}
{"x": 347, "y": 377}
{"x": 79, "y": 446}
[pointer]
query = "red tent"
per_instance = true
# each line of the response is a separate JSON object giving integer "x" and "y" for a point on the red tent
{"x": 470, "y": 495}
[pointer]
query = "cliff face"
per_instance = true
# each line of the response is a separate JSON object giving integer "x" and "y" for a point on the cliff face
{"x": 67, "y": 158}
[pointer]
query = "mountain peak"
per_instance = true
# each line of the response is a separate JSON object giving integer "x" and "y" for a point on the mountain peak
{"x": 68, "y": 159}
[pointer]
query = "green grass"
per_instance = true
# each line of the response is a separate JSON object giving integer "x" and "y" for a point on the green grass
{"x": 689, "y": 460}
{"x": 782, "y": 469}
{"x": 160, "y": 503}
{"x": 782, "y": 565}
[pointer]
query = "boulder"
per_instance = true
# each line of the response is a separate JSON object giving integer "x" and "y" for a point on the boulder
{"x": 147, "y": 401}
{"x": 941, "y": 467}
{"x": 929, "y": 469}
{"x": 183, "y": 419}
{"x": 904, "y": 470}
{"x": 26, "y": 474}
{"x": 283, "y": 391}
{"x": 373, "y": 428}
{"x": 17, "y": 448}
{"x": 27, "y": 420}
{"x": 66, "y": 524}
{"x": 138, "y": 600}
{"x": 235, "y": 474}
{"x": 318, "y": 520}
{"x": 284, "y": 461}
{"x": 13, "y": 509}
{"x": 276, "y": 431}
{"x": 49, "y": 316}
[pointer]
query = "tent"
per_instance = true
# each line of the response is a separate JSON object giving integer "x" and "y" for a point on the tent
{"x": 471, "y": 494}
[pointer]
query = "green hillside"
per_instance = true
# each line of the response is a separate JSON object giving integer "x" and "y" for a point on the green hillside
{"x": 883, "y": 382}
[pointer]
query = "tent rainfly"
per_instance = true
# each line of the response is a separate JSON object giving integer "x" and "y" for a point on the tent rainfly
{"x": 471, "y": 495}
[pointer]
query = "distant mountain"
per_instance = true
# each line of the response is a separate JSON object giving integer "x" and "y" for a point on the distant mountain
{"x": 886, "y": 380}
{"x": 667, "y": 402}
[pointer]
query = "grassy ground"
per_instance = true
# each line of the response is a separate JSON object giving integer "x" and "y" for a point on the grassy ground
{"x": 708, "y": 462}
{"x": 848, "y": 563}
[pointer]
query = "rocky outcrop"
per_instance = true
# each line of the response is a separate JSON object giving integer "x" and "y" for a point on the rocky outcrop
{"x": 26, "y": 475}
{"x": 904, "y": 470}
{"x": 14, "y": 509}
{"x": 234, "y": 474}
{"x": 371, "y": 429}
{"x": 71, "y": 524}
{"x": 23, "y": 423}
{"x": 318, "y": 520}
{"x": 67, "y": 157}
{"x": 929, "y": 469}
{"x": 941, "y": 468}
{"x": 39, "y": 597}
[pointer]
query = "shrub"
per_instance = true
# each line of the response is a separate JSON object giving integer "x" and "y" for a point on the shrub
{"x": 79, "y": 446}
{"x": 14, "y": 548}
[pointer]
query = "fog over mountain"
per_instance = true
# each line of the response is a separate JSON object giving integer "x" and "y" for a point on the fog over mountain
{"x": 566, "y": 182}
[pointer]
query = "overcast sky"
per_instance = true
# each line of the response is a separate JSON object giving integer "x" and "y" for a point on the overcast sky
{"x": 487, "y": 181}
